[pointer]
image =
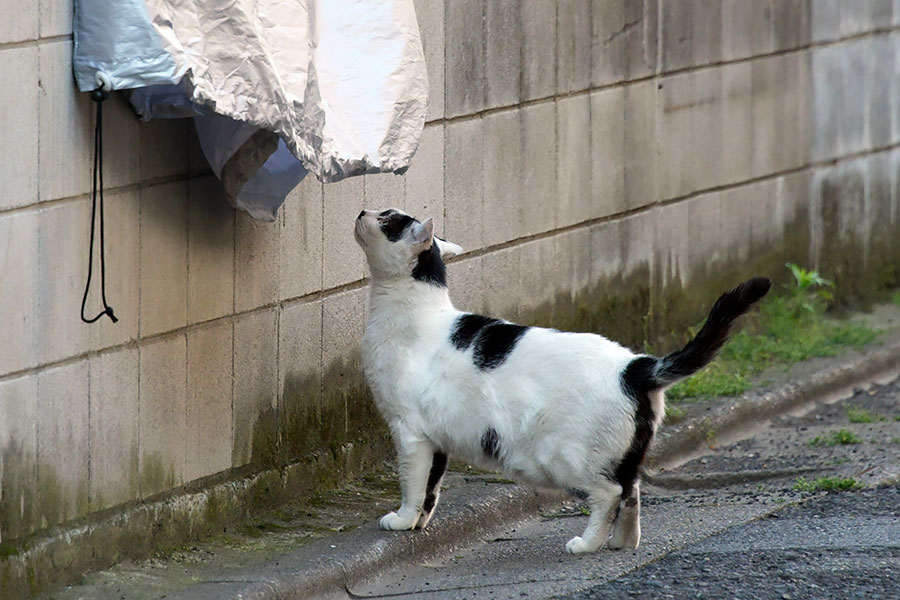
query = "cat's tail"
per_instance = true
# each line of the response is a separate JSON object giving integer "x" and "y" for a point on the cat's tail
{"x": 703, "y": 348}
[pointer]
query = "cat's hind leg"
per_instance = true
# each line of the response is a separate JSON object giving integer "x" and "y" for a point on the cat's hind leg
{"x": 433, "y": 488}
{"x": 414, "y": 458}
{"x": 604, "y": 503}
{"x": 626, "y": 531}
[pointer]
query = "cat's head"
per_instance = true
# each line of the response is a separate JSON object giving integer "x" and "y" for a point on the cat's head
{"x": 398, "y": 245}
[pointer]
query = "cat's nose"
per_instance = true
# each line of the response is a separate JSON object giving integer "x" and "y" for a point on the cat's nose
{"x": 361, "y": 215}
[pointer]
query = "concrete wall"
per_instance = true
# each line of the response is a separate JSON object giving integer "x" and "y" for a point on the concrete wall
{"x": 607, "y": 164}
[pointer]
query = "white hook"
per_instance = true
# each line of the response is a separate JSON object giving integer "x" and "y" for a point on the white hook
{"x": 103, "y": 81}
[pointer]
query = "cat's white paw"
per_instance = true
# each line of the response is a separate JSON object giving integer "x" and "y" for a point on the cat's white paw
{"x": 578, "y": 546}
{"x": 394, "y": 522}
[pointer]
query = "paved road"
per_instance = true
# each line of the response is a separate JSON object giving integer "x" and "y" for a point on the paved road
{"x": 728, "y": 524}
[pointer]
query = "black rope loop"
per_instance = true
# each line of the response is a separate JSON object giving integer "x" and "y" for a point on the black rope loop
{"x": 98, "y": 95}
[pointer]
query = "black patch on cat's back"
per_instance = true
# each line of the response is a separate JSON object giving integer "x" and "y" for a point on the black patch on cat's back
{"x": 495, "y": 343}
{"x": 493, "y": 339}
{"x": 430, "y": 267}
{"x": 466, "y": 328}
{"x": 637, "y": 381}
{"x": 490, "y": 443}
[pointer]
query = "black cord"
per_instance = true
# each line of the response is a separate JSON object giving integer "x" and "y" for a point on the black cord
{"x": 98, "y": 96}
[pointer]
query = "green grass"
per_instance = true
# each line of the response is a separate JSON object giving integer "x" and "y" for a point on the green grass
{"x": 674, "y": 414}
{"x": 861, "y": 415}
{"x": 785, "y": 331}
{"x": 841, "y": 437}
{"x": 895, "y": 440}
{"x": 896, "y": 297}
{"x": 827, "y": 484}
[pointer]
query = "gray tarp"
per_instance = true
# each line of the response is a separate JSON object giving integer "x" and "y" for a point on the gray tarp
{"x": 338, "y": 84}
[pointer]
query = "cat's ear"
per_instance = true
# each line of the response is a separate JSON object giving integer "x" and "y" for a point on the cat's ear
{"x": 423, "y": 235}
{"x": 448, "y": 249}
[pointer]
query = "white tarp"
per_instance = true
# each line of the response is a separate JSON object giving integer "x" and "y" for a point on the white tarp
{"x": 338, "y": 84}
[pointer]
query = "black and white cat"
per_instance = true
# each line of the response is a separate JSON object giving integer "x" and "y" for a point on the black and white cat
{"x": 572, "y": 411}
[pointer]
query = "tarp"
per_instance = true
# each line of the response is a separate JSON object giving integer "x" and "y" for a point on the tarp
{"x": 335, "y": 87}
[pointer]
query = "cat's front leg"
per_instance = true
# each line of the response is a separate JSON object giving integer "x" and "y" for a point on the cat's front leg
{"x": 414, "y": 461}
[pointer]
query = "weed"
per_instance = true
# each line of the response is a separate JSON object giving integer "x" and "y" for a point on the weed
{"x": 789, "y": 328}
{"x": 895, "y": 440}
{"x": 897, "y": 418}
{"x": 861, "y": 415}
{"x": 827, "y": 484}
{"x": 673, "y": 413}
{"x": 841, "y": 437}
{"x": 896, "y": 297}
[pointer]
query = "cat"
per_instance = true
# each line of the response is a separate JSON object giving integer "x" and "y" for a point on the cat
{"x": 571, "y": 411}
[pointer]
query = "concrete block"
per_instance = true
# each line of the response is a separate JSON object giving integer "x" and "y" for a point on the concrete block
{"x": 745, "y": 28}
{"x": 121, "y": 143}
{"x": 563, "y": 274}
{"x": 62, "y": 269}
{"x": 779, "y": 113}
{"x": 537, "y": 288}
{"x": 19, "y": 285}
{"x": 676, "y": 142}
{"x": 791, "y": 27}
{"x": 164, "y": 257}
{"x": 300, "y": 346}
{"x": 65, "y": 136}
{"x": 63, "y": 444}
{"x": 209, "y": 425}
{"x": 301, "y": 242}
{"x": 736, "y": 122}
{"x": 538, "y": 49}
{"x": 464, "y": 278}
{"x": 574, "y": 164}
{"x": 430, "y": 15}
{"x": 706, "y": 129}
{"x": 257, "y": 259}
{"x": 503, "y": 60}
{"x": 502, "y": 181}
{"x": 879, "y": 202}
{"x": 576, "y": 247}
{"x": 825, "y": 20}
{"x": 19, "y": 161}
{"x": 703, "y": 234}
{"x": 676, "y": 27}
{"x": 255, "y": 381}
{"x": 673, "y": 247}
{"x": 23, "y": 27}
{"x": 853, "y": 125}
{"x": 114, "y": 425}
{"x": 343, "y": 259}
{"x": 625, "y": 40}
{"x": 425, "y": 178}
{"x": 538, "y": 171}
{"x": 608, "y": 150}
{"x": 827, "y": 101}
{"x": 123, "y": 262}
{"x": 164, "y": 148}
{"x": 500, "y": 275}
{"x": 706, "y": 32}
{"x": 573, "y": 42}
{"x": 640, "y": 145}
{"x": 881, "y": 113}
{"x": 737, "y": 213}
{"x": 210, "y": 251}
{"x": 861, "y": 17}
{"x": 463, "y": 183}
{"x": 343, "y": 323}
{"x": 162, "y": 414}
{"x": 606, "y": 250}
{"x": 56, "y": 17}
{"x": 197, "y": 163}
{"x": 895, "y": 90}
{"x": 18, "y": 456}
{"x": 464, "y": 56}
{"x": 385, "y": 190}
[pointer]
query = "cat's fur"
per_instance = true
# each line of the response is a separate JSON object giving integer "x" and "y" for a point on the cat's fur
{"x": 572, "y": 411}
